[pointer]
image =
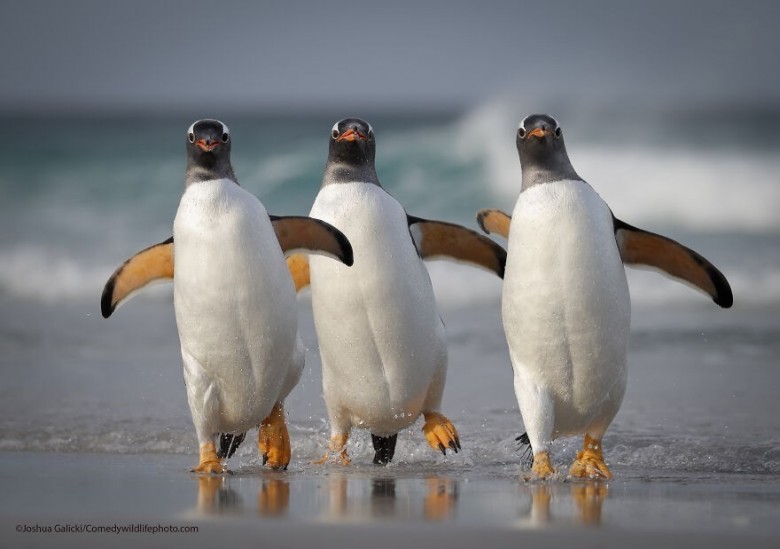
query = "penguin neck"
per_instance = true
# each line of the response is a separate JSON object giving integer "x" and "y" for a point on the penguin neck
{"x": 536, "y": 172}
{"x": 197, "y": 172}
{"x": 347, "y": 172}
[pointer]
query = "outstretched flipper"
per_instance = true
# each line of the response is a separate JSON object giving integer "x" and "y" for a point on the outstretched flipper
{"x": 155, "y": 263}
{"x": 309, "y": 235}
{"x": 147, "y": 266}
{"x": 494, "y": 221}
{"x": 438, "y": 239}
{"x": 638, "y": 247}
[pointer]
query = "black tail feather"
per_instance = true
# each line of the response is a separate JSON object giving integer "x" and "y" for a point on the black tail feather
{"x": 528, "y": 453}
{"x": 384, "y": 448}
{"x": 228, "y": 444}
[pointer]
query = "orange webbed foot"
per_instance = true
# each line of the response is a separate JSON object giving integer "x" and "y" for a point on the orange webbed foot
{"x": 210, "y": 464}
{"x": 590, "y": 462}
{"x": 337, "y": 451}
{"x": 440, "y": 433}
{"x": 273, "y": 439}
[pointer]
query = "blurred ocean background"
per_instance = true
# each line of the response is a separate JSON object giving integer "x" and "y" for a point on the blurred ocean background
{"x": 80, "y": 194}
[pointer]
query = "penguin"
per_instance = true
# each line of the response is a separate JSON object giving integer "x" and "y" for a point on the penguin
{"x": 382, "y": 340}
{"x": 565, "y": 305}
{"x": 234, "y": 301}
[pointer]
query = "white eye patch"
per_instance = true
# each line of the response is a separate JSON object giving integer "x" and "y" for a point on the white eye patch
{"x": 522, "y": 123}
{"x": 191, "y": 129}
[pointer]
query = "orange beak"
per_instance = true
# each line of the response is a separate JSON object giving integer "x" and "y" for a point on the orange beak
{"x": 537, "y": 132}
{"x": 351, "y": 135}
{"x": 208, "y": 147}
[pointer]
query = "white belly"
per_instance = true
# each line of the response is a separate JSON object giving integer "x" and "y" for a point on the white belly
{"x": 235, "y": 305}
{"x": 380, "y": 334}
{"x": 566, "y": 307}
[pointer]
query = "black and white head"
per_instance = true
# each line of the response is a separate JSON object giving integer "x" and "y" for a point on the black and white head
{"x": 542, "y": 151}
{"x": 208, "y": 151}
{"x": 351, "y": 152}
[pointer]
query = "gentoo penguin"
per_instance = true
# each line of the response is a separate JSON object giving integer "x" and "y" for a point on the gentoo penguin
{"x": 234, "y": 301}
{"x": 382, "y": 341}
{"x": 565, "y": 304}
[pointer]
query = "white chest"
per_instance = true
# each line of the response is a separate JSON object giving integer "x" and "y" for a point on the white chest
{"x": 566, "y": 306}
{"x": 386, "y": 260}
{"x": 232, "y": 291}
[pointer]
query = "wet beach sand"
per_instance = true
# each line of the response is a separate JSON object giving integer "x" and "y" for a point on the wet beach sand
{"x": 442, "y": 504}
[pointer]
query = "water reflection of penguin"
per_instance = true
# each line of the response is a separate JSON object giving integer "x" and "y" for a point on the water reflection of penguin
{"x": 441, "y": 499}
{"x": 273, "y": 499}
{"x": 588, "y": 499}
{"x": 215, "y": 497}
{"x": 438, "y": 502}
{"x": 383, "y": 497}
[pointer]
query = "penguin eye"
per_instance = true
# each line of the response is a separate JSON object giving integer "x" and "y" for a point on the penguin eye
{"x": 225, "y": 137}
{"x": 558, "y": 131}
{"x": 191, "y": 137}
{"x": 334, "y": 134}
{"x": 521, "y": 132}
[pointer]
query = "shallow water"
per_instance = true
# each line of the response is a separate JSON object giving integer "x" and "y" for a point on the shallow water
{"x": 318, "y": 503}
{"x": 701, "y": 394}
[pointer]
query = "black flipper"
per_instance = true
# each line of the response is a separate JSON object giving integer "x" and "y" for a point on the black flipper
{"x": 228, "y": 444}
{"x": 437, "y": 239}
{"x": 528, "y": 453}
{"x": 640, "y": 247}
{"x": 384, "y": 448}
{"x": 300, "y": 234}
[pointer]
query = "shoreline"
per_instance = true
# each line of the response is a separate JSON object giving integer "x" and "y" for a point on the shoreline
{"x": 408, "y": 503}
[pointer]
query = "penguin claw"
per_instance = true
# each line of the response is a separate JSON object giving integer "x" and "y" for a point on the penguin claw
{"x": 440, "y": 433}
{"x": 211, "y": 468}
{"x": 265, "y": 459}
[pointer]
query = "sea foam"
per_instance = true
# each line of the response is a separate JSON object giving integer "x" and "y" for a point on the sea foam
{"x": 682, "y": 184}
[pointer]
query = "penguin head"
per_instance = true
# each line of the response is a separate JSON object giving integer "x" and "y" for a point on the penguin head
{"x": 539, "y": 136}
{"x": 542, "y": 149}
{"x": 208, "y": 149}
{"x": 352, "y": 142}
